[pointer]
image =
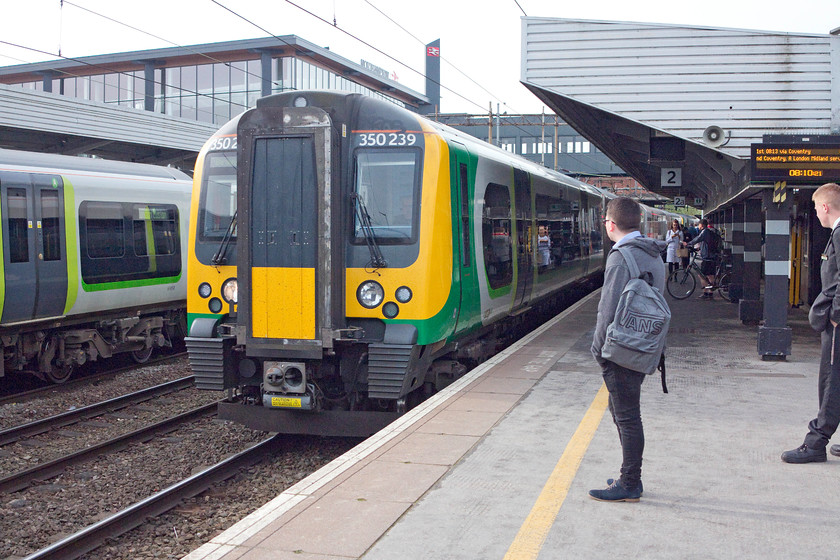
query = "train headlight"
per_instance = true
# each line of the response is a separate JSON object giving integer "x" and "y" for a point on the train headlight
{"x": 404, "y": 294}
{"x": 204, "y": 290}
{"x": 370, "y": 294}
{"x": 230, "y": 291}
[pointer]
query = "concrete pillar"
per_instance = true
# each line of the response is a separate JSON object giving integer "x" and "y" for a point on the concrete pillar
{"x": 749, "y": 307}
{"x": 774, "y": 336}
{"x": 265, "y": 70}
{"x": 149, "y": 92}
{"x": 736, "y": 285}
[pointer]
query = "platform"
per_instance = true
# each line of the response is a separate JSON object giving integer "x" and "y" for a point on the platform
{"x": 499, "y": 464}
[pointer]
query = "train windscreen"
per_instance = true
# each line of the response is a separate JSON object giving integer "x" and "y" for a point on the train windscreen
{"x": 387, "y": 183}
{"x": 218, "y": 196}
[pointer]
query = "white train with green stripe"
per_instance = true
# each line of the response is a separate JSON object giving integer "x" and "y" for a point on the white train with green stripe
{"x": 349, "y": 257}
{"x": 93, "y": 260}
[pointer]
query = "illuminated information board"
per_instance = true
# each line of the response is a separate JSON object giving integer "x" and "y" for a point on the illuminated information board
{"x": 796, "y": 163}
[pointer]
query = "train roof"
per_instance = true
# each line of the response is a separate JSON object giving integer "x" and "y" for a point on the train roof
{"x": 60, "y": 163}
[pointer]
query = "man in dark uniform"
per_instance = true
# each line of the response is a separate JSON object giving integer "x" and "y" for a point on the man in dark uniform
{"x": 824, "y": 317}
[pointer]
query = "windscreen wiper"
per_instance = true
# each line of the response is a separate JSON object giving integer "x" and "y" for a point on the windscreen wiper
{"x": 220, "y": 256}
{"x": 376, "y": 258}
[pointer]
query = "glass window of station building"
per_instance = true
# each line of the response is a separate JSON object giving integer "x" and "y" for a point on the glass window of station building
{"x": 212, "y": 92}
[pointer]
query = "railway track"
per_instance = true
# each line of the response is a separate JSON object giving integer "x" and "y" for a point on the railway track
{"x": 135, "y": 515}
{"x": 50, "y": 469}
{"x": 36, "y": 427}
{"x": 73, "y": 384}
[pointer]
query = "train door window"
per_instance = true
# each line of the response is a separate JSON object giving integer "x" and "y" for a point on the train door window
{"x": 465, "y": 216}
{"x": 495, "y": 231}
{"x": 18, "y": 226}
{"x": 219, "y": 194}
{"x": 104, "y": 228}
{"x": 387, "y": 183}
{"x": 551, "y": 211}
{"x": 50, "y": 226}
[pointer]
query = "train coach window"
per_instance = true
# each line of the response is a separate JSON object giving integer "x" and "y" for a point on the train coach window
{"x": 104, "y": 228}
{"x": 155, "y": 228}
{"x": 218, "y": 193}
{"x": 18, "y": 226}
{"x": 150, "y": 230}
{"x": 50, "y": 225}
{"x": 387, "y": 183}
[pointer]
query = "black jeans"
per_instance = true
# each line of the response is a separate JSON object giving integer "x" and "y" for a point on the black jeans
{"x": 625, "y": 387}
{"x": 821, "y": 428}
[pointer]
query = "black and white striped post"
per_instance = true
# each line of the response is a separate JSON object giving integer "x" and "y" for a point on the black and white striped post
{"x": 774, "y": 336}
{"x": 749, "y": 306}
{"x": 736, "y": 234}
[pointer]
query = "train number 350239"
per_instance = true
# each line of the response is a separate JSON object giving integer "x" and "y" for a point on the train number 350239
{"x": 387, "y": 139}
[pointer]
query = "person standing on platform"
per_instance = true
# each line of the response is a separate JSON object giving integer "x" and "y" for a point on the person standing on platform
{"x": 624, "y": 385}
{"x": 708, "y": 241}
{"x": 824, "y": 317}
{"x": 674, "y": 238}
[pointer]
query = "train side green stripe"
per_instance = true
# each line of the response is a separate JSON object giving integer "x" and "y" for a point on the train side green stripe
{"x": 129, "y": 284}
{"x": 71, "y": 243}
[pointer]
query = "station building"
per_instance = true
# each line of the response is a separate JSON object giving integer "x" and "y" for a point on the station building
{"x": 82, "y": 106}
{"x": 185, "y": 93}
{"x": 691, "y": 112}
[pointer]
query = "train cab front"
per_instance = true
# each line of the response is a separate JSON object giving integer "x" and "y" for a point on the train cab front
{"x": 327, "y": 230}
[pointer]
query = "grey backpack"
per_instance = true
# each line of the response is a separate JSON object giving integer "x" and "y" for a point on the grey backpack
{"x": 636, "y": 337}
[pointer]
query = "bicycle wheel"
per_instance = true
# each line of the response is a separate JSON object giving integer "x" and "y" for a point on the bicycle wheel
{"x": 723, "y": 285}
{"x": 681, "y": 284}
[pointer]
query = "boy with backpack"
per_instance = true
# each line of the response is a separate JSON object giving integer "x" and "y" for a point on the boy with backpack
{"x": 711, "y": 246}
{"x": 611, "y": 352}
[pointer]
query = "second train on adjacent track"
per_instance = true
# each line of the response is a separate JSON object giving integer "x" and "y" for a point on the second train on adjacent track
{"x": 349, "y": 257}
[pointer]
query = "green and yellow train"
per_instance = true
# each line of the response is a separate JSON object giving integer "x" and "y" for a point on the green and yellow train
{"x": 349, "y": 257}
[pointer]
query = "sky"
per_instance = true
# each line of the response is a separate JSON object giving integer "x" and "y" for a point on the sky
{"x": 480, "y": 39}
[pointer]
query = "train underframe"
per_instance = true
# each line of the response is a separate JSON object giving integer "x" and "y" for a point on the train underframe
{"x": 356, "y": 387}
{"x": 53, "y": 350}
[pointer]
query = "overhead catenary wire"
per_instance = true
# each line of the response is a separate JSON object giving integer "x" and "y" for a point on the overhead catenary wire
{"x": 159, "y": 38}
{"x": 362, "y": 41}
{"x": 109, "y": 71}
{"x": 389, "y": 18}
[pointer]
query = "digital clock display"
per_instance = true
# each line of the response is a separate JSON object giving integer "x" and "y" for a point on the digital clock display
{"x": 796, "y": 163}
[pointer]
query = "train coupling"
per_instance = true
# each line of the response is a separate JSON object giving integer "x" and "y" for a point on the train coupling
{"x": 285, "y": 386}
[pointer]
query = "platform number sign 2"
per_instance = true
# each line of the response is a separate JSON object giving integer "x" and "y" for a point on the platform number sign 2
{"x": 671, "y": 177}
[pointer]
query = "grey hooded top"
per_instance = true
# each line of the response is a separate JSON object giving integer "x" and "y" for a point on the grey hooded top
{"x": 647, "y": 253}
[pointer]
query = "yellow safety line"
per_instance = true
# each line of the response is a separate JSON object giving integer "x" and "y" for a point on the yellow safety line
{"x": 532, "y": 534}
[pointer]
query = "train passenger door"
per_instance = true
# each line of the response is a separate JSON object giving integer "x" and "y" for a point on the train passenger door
{"x": 525, "y": 237}
{"x": 34, "y": 246}
{"x": 283, "y": 238}
{"x": 461, "y": 217}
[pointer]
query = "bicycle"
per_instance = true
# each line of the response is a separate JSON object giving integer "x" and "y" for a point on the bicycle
{"x": 682, "y": 282}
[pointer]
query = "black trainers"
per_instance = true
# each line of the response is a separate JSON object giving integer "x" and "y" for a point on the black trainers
{"x": 804, "y": 454}
{"x": 834, "y": 450}
{"x": 642, "y": 486}
{"x": 615, "y": 492}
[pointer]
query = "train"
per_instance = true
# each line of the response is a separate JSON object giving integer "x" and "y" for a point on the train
{"x": 348, "y": 257}
{"x": 93, "y": 261}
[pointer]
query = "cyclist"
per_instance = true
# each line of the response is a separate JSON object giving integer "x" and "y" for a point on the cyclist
{"x": 708, "y": 242}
